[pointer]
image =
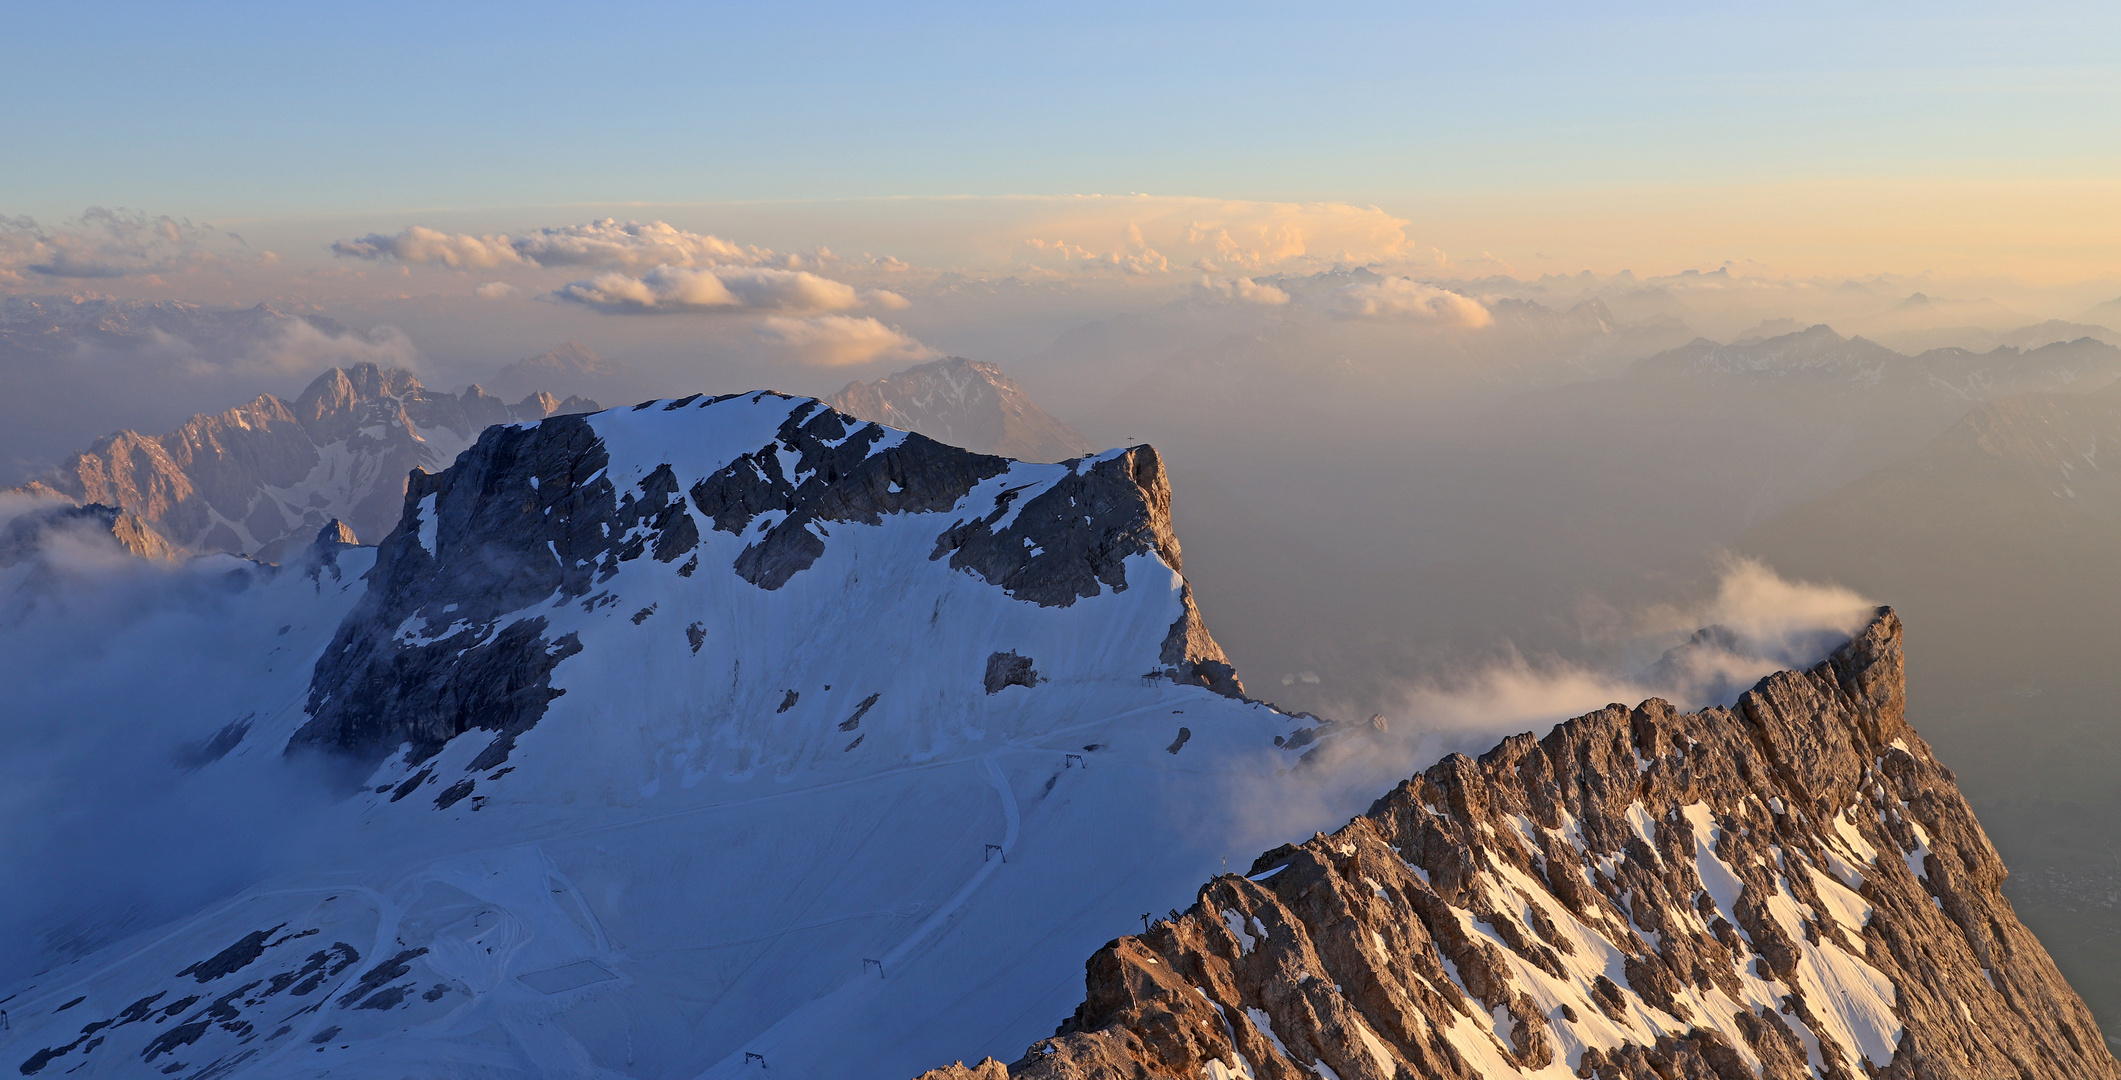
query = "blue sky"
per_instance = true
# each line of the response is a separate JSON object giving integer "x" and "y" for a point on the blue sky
{"x": 271, "y": 110}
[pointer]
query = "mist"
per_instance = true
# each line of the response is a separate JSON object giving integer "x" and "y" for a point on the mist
{"x": 137, "y": 816}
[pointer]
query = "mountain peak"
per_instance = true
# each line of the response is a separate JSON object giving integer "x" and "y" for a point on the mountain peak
{"x": 964, "y": 402}
{"x": 761, "y": 488}
{"x": 1791, "y": 887}
{"x": 263, "y": 477}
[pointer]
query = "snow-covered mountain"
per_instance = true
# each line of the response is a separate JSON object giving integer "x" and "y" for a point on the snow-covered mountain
{"x": 263, "y": 477}
{"x": 967, "y": 403}
{"x": 705, "y": 729}
{"x": 734, "y": 736}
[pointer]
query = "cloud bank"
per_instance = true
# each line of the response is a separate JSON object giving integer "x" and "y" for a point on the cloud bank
{"x": 629, "y": 245}
{"x": 1406, "y": 300}
{"x": 1144, "y": 235}
{"x": 113, "y": 243}
{"x": 839, "y": 341}
{"x": 720, "y": 288}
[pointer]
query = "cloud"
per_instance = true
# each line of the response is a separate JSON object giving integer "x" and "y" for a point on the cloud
{"x": 1758, "y": 623}
{"x": 629, "y": 245}
{"x": 494, "y": 290}
{"x": 720, "y": 288}
{"x": 634, "y": 245}
{"x": 1144, "y": 234}
{"x": 299, "y": 347}
{"x": 839, "y": 341}
{"x": 122, "y": 819}
{"x": 419, "y": 244}
{"x": 1244, "y": 291}
{"x": 1406, "y": 300}
{"x": 106, "y": 243}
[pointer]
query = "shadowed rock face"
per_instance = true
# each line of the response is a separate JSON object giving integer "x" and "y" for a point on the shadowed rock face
{"x": 1790, "y": 884}
{"x": 448, "y": 637}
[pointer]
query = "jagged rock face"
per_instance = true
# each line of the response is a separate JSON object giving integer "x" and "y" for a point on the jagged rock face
{"x": 1789, "y": 888}
{"x": 966, "y": 403}
{"x": 261, "y": 478}
{"x": 27, "y": 533}
{"x": 450, "y": 638}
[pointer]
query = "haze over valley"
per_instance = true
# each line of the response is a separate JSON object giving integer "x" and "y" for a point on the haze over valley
{"x": 1606, "y": 572}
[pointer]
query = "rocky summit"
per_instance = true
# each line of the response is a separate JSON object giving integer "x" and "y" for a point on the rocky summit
{"x": 260, "y": 479}
{"x": 1791, "y": 887}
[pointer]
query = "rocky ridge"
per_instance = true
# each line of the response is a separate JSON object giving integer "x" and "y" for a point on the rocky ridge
{"x": 1791, "y": 887}
{"x": 446, "y": 641}
{"x": 1819, "y": 352}
{"x": 28, "y": 532}
{"x": 260, "y": 479}
{"x": 968, "y": 403}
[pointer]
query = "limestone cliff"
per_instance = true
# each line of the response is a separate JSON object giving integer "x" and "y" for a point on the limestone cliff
{"x": 263, "y": 477}
{"x": 1791, "y": 887}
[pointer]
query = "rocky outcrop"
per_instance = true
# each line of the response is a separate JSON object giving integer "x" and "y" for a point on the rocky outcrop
{"x": 261, "y": 478}
{"x": 29, "y": 532}
{"x": 967, "y": 403}
{"x": 445, "y": 641}
{"x": 1791, "y": 887}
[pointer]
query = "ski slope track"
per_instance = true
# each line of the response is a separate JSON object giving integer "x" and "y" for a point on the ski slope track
{"x": 712, "y": 737}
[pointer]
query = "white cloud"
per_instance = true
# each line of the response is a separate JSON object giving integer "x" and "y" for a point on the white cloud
{"x": 419, "y": 244}
{"x": 104, "y": 243}
{"x": 495, "y": 290}
{"x": 628, "y": 245}
{"x": 719, "y": 288}
{"x": 1407, "y": 300}
{"x": 839, "y": 341}
{"x": 634, "y": 245}
{"x": 1244, "y": 290}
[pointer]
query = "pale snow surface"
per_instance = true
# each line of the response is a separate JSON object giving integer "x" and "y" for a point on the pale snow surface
{"x": 673, "y": 875}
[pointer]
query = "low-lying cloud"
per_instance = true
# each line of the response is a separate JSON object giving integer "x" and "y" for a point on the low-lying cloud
{"x": 119, "y": 818}
{"x": 1757, "y": 623}
{"x": 839, "y": 341}
{"x": 1244, "y": 290}
{"x": 1406, "y": 300}
{"x": 113, "y": 243}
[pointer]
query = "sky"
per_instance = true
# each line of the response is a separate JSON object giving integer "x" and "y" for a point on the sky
{"x": 1816, "y": 138}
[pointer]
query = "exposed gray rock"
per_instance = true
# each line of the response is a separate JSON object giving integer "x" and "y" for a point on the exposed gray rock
{"x": 1009, "y": 669}
{"x": 529, "y": 515}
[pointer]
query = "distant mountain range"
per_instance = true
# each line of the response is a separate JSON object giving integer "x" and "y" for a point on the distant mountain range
{"x": 1819, "y": 352}
{"x": 262, "y": 478}
{"x": 967, "y": 403}
{"x": 572, "y": 369}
